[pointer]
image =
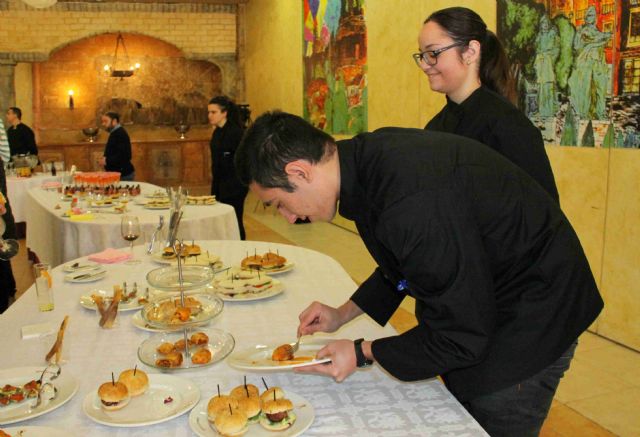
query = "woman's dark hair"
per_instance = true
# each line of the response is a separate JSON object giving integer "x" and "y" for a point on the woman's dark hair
{"x": 275, "y": 139}
{"x": 464, "y": 25}
{"x": 227, "y": 105}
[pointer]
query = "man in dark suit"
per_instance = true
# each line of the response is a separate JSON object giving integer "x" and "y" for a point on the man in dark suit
{"x": 22, "y": 140}
{"x": 502, "y": 286}
{"x": 117, "y": 152}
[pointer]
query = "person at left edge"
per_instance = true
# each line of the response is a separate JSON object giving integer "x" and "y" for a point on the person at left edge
{"x": 22, "y": 140}
{"x": 117, "y": 152}
{"x": 224, "y": 114}
{"x": 7, "y": 280}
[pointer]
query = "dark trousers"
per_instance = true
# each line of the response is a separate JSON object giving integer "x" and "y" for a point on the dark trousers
{"x": 7, "y": 284}
{"x": 238, "y": 204}
{"x": 520, "y": 410}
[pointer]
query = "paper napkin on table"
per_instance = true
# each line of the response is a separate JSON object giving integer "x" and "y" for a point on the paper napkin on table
{"x": 81, "y": 217}
{"x": 37, "y": 330}
{"x": 109, "y": 256}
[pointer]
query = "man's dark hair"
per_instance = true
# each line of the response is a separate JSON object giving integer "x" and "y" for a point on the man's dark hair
{"x": 275, "y": 139}
{"x": 113, "y": 116}
{"x": 16, "y": 111}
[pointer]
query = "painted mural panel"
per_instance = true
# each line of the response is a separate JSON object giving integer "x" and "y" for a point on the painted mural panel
{"x": 335, "y": 65}
{"x": 577, "y": 66}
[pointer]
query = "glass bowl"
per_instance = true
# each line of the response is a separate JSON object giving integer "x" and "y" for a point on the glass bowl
{"x": 167, "y": 312}
{"x": 166, "y": 278}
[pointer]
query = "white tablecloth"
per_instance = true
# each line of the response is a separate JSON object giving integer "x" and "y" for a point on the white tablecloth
{"x": 56, "y": 239}
{"x": 17, "y": 189}
{"x": 368, "y": 403}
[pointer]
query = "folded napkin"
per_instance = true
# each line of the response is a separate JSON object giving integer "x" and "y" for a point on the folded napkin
{"x": 109, "y": 256}
{"x": 37, "y": 330}
{"x": 81, "y": 217}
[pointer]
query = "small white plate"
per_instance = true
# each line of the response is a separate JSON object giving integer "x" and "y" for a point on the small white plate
{"x": 220, "y": 345}
{"x": 95, "y": 275}
{"x": 66, "y": 384}
{"x": 82, "y": 266}
{"x": 89, "y": 304}
{"x": 200, "y": 260}
{"x": 150, "y": 407}
{"x": 258, "y": 357}
{"x": 288, "y": 266}
{"x": 37, "y": 431}
{"x": 276, "y": 288}
{"x": 303, "y": 410}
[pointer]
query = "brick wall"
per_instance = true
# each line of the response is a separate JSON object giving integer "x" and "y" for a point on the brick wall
{"x": 199, "y": 30}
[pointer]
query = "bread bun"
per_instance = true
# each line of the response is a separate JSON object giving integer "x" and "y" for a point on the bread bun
{"x": 268, "y": 394}
{"x": 199, "y": 338}
{"x": 220, "y": 403}
{"x": 231, "y": 424}
{"x": 113, "y": 396}
{"x": 251, "y": 407}
{"x": 240, "y": 392}
{"x": 251, "y": 262}
{"x": 136, "y": 381}
{"x": 165, "y": 348}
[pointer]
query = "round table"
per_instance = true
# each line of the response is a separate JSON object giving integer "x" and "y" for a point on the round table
{"x": 56, "y": 239}
{"x": 18, "y": 187}
{"x": 369, "y": 402}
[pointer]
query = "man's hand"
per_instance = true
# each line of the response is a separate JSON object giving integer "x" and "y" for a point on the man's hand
{"x": 343, "y": 360}
{"x": 319, "y": 317}
{"x": 3, "y": 209}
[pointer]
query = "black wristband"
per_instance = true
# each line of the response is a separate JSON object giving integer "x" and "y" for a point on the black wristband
{"x": 361, "y": 360}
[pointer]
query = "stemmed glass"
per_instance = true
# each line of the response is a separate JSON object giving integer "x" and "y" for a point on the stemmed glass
{"x": 9, "y": 247}
{"x": 130, "y": 231}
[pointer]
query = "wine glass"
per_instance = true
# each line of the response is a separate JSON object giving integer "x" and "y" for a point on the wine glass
{"x": 130, "y": 231}
{"x": 9, "y": 247}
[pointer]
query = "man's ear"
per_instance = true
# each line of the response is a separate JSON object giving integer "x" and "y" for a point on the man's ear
{"x": 299, "y": 169}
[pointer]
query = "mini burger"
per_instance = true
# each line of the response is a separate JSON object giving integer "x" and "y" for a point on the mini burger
{"x": 278, "y": 415}
{"x": 252, "y": 262}
{"x": 272, "y": 261}
{"x": 231, "y": 423}
{"x": 218, "y": 404}
{"x": 271, "y": 394}
{"x": 136, "y": 380}
{"x": 113, "y": 396}
{"x": 242, "y": 392}
{"x": 251, "y": 407}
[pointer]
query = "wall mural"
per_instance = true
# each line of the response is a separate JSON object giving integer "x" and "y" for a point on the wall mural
{"x": 577, "y": 66}
{"x": 335, "y": 65}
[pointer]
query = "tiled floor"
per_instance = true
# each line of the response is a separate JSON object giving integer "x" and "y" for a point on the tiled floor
{"x": 599, "y": 396}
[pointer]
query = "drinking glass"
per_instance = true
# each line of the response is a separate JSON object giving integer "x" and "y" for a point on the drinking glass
{"x": 130, "y": 231}
{"x": 42, "y": 273}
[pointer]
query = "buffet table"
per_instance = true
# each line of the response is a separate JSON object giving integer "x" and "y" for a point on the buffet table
{"x": 17, "y": 188}
{"x": 56, "y": 239}
{"x": 369, "y": 402}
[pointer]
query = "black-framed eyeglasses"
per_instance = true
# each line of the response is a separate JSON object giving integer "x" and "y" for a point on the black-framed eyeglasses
{"x": 430, "y": 57}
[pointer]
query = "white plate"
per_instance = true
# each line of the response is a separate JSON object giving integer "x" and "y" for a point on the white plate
{"x": 148, "y": 408}
{"x": 276, "y": 288}
{"x": 158, "y": 194}
{"x": 83, "y": 266}
{"x": 66, "y": 384}
{"x": 36, "y": 431}
{"x": 200, "y": 260}
{"x": 301, "y": 407}
{"x": 89, "y": 304}
{"x": 258, "y": 357}
{"x": 220, "y": 344}
{"x": 95, "y": 276}
{"x": 288, "y": 266}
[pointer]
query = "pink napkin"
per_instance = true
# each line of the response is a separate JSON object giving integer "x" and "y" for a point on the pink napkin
{"x": 109, "y": 256}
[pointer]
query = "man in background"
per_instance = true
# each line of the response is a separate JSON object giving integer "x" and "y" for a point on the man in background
{"x": 5, "y": 153}
{"x": 7, "y": 281}
{"x": 117, "y": 152}
{"x": 21, "y": 138}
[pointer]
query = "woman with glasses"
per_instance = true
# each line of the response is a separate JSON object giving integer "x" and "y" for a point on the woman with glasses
{"x": 465, "y": 60}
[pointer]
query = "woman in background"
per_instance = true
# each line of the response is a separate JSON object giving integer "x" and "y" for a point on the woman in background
{"x": 225, "y": 116}
{"x": 465, "y": 60}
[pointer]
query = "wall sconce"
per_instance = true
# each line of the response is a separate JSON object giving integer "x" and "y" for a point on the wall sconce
{"x": 70, "y": 99}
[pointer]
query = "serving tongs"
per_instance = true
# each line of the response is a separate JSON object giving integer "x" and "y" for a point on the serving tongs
{"x": 155, "y": 235}
{"x": 177, "y": 248}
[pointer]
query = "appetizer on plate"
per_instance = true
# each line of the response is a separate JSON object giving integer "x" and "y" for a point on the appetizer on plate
{"x": 10, "y": 394}
{"x": 113, "y": 395}
{"x": 136, "y": 381}
{"x": 266, "y": 262}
